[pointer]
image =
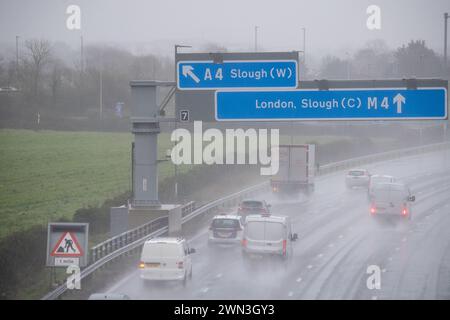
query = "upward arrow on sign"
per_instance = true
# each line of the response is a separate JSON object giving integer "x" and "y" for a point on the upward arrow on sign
{"x": 187, "y": 71}
{"x": 399, "y": 99}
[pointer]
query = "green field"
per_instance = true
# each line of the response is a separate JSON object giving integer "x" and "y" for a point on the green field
{"x": 47, "y": 175}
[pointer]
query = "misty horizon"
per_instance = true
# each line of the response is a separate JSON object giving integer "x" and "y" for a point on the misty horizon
{"x": 144, "y": 27}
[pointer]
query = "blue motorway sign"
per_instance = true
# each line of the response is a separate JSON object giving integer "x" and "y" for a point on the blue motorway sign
{"x": 207, "y": 75}
{"x": 349, "y": 104}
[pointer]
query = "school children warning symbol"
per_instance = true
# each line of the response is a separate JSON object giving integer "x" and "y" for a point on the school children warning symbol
{"x": 67, "y": 246}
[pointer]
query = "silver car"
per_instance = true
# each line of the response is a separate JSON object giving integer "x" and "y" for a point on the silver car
{"x": 357, "y": 178}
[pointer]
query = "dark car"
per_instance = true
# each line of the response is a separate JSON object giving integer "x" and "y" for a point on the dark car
{"x": 247, "y": 207}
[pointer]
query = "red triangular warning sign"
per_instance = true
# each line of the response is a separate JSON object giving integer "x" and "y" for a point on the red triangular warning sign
{"x": 67, "y": 246}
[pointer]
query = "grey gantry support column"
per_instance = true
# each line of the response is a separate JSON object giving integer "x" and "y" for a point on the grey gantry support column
{"x": 145, "y": 127}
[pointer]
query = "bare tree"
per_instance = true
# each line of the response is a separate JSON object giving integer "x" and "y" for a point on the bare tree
{"x": 39, "y": 53}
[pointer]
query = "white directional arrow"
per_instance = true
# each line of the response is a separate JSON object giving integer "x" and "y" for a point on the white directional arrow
{"x": 187, "y": 71}
{"x": 399, "y": 99}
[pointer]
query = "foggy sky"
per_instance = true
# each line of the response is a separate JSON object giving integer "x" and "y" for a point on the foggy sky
{"x": 332, "y": 27}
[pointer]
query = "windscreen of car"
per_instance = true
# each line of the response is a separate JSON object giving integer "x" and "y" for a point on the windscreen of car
{"x": 225, "y": 223}
{"x": 252, "y": 204}
{"x": 162, "y": 250}
{"x": 356, "y": 173}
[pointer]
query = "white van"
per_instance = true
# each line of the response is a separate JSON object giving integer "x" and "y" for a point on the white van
{"x": 391, "y": 199}
{"x": 267, "y": 235}
{"x": 166, "y": 259}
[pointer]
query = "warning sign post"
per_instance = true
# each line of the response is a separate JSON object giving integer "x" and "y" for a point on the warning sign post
{"x": 67, "y": 244}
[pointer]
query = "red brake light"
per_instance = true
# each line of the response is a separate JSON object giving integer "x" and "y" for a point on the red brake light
{"x": 284, "y": 247}
{"x": 244, "y": 242}
{"x": 372, "y": 210}
{"x": 404, "y": 211}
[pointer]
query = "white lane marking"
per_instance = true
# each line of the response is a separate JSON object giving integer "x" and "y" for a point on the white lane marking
{"x": 320, "y": 255}
{"x": 290, "y": 294}
{"x": 397, "y": 249}
{"x": 390, "y": 258}
{"x": 331, "y": 245}
{"x": 121, "y": 282}
{"x": 374, "y": 297}
{"x": 383, "y": 270}
{"x": 299, "y": 279}
{"x": 219, "y": 275}
{"x": 341, "y": 236}
{"x": 309, "y": 266}
{"x": 205, "y": 290}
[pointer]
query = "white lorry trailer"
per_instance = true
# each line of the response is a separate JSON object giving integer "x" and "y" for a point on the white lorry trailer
{"x": 296, "y": 169}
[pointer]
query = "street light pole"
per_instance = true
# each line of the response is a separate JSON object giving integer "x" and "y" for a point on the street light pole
{"x": 17, "y": 58}
{"x": 256, "y": 38}
{"x": 445, "y": 40}
{"x": 304, "y": 45}
{"x": 348, "y": 65}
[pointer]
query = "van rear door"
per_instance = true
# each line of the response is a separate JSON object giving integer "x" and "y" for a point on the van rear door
{"x": 265, "y": 236}
{"x": 164, "y": 256}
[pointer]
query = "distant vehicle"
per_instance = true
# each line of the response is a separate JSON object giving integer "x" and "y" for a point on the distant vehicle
{"x": 249, "y": 206}
{"x": 391, "y": 199}
{"x": 226, "y": 229}
{"x": 8, "y": 89}
{"x": 357, "y": 178}
{"x": 296, "y": 169}
{"x": 108, "y": 296}
{"x": 166, "y": 259}
{"x": 267, "y": 235}
{"x": 377, "y": 179}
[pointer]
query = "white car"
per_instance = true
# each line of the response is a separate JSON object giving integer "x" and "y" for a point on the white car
{"x": 267, "y": 235}
{"x": 357, "y": 178}
{"x": 391, "y": 199}
{"x": 226, "y": 229}
{"x": 377, "y": 179}
{"x": 166, "y": 259}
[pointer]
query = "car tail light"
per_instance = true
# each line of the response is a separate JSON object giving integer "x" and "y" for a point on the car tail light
{"x": 275, "y": 189}
{"x": 373, "y": 210}
{"x": 141, "y": 265}
{"x": 284, "y": 247}
{"x": 244, "y": 243}
{"x": 180, "y": 264}
{"x": 404, "y": 212}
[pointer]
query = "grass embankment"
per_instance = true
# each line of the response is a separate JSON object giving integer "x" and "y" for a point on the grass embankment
{"x": 48, "y": 175}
